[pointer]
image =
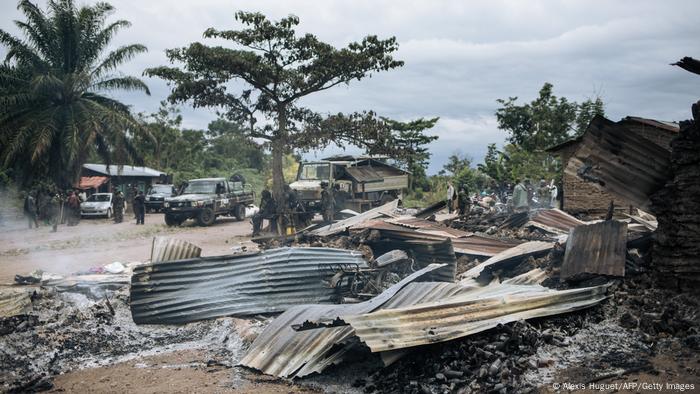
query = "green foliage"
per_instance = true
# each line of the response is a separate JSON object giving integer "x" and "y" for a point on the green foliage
{"x": 411, "y": 142}
{"x": 532, "y": 127}
{"x": 53, "y": 111}
{"x": 274, "y": 68}
{"x": 455, "y": 163}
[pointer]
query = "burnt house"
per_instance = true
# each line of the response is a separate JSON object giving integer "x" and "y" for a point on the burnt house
{"x": 633, "y": 153}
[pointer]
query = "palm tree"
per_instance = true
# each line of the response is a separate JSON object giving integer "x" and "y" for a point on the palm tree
{"x": 53, "y": 110}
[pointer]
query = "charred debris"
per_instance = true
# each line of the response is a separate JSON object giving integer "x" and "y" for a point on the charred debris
{"x": 482, "y": 303}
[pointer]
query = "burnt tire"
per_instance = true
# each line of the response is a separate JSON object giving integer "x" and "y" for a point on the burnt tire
{"x": 172, "y": 220}
{"x": 239, "y": 212}
{"x": 206, "y": 217}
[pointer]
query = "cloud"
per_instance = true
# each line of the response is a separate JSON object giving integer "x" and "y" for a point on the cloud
{"x": 460, "y": 56}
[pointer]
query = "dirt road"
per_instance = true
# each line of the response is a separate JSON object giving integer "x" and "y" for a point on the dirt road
{"x": 96, "y": 242}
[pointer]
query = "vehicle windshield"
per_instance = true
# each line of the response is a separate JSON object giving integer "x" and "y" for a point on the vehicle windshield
{"x": 162, "y": 189}
{"x": 199, "y": 187}
{"x": 315, "y": 172}
{"x": 99, "y": 198}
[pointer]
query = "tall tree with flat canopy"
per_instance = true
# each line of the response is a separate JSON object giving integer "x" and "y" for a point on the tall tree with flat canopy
{"x": 266, "y": 73}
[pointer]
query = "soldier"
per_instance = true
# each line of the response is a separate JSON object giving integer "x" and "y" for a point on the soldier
{"x": 140, "y": 207}
{"x": 327, "y": 202}
{"x": 450, "y": 197}
{"x": 340, "y": 196}
{"x": 73, "y": 208}
{"x": 118, "y": 205}
{"x": 543, "y": 194}
{"x": 463, "y": 201}
{"x": 268, "y": 210}
{"x": 30, "y": 210}
{"x": 521, "y": 202}
{"x": 56, "y": 211}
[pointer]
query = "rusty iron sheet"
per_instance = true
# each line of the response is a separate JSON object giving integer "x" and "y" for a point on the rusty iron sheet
{"x": 465, "y": 314}
{"x": 553, "y": 221}
{"x": 506, "y": 259}
{"x": 281, "y": 351}
{"x": 167, "y": 249}
{"x": 342, "y": 225}
{"x": 274, "y": 280}
{"x": 15, "y": 300}
{"x": 597, "y": 249}
{"x": 620, "y": 162}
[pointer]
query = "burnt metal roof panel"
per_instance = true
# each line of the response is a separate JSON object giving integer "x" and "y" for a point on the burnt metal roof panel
{"x": 597, "y": 248}
{"x": 274, "y": 280}
{"x": 467, "y": 313}
{"x": 553, "y": 220}
{"x": 281, "y": 351}
{"x": 507, "y": 258}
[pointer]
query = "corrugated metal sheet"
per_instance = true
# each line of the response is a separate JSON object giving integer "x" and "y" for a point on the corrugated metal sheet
{"x": 342, "y": 225}
{"x": 553, "y": 221}
{"x": 123, "y": 170}
{"x": 281, "y": 351}
{"x": 363, "y": 174}
{"x": 15, "y": 301}
{"x": 465, "y": 314}
{"x": 431, "y": 209}
{"x": 400, "y": 229}
{"x": 620, "y": 162}
{"x": 598, "y": 248}
{"x": 274, "y": 280}
{"x": 507, "y": 258}
{"x": 166, "y": 249}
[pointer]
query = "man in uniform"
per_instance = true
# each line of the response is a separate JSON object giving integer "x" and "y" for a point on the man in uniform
{"x": 73, "y": 208}
{"x": 268, "y": 210}
{"x": 543, "y": 194}
{"x": 327, "y": 203}
{"x": 118, "y": 205}
{"x": 30, "y": 210}
{"x": 140, "y": 207}
{"x": 520, "y": 197}
{"x": 463, "y": 201}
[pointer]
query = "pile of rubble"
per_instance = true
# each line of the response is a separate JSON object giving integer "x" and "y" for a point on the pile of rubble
{"x": 495, "y": 303}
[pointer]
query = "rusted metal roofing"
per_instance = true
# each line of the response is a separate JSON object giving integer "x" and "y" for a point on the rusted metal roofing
{"x": 619, "y": 162}
{"x": 281, "y": 351}
{"x": 91, "y": 182}
{"x": 466, "y": 313}
{"x": 166, "y": 249}
{"x": 15, "y": 301}
{"x": 411, "y": 228}
{"x": 597, "y": 248}
{"x": 659, "y": 124}
{"x": 274, "y": 280}
{"x": 553, "y": 220}
{"x": 342, "y": 225}
{"x": 505, "y": 259}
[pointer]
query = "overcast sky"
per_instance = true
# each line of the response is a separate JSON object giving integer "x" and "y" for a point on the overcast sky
{"x": 460, "y": 56}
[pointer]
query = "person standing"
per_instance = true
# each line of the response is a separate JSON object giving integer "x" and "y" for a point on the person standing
{"x": 73, "y": 208}
{"x": 543, "y": 194}
{"x": 520, "y": 197}
{"x": 140, "y": 207}
{"x": 268, "y": 210}
{"x": 118, "y": 205}
{"x": 56, "y": 211}
{"x": 30, "y": 210}
{"x": 450, "y": 197}
{"x": 327, "y": 202}
{"x": 463, "y": 201}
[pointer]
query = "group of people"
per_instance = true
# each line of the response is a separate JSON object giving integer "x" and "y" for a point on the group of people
{"x": 53, "y": 207}
{"x": 519, "y": 198}
{"x": 138, "y": 203}
{"x": 526, "y": 196}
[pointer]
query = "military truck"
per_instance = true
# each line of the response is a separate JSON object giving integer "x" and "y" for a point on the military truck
{"x": 205, "y": 199}
{"x": 365, "y": 182}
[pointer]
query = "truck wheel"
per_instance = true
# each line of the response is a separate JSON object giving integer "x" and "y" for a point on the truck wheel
{"x": 206, "y": 217}
{"x": 171, "y": 220}
{"x": 239, "y": 212}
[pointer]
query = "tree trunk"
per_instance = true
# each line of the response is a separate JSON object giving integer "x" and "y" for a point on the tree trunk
{"x": 279, "y": 148}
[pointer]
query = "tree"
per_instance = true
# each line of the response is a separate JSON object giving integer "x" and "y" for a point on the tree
{"x": 53, "y": 110}
{"x": 274, "y": 68}
{"x": 410, "y": 136}
{"x": 532, "y": 127}
{"x": 456, "y": 162}
{"x": 494, "y": 164}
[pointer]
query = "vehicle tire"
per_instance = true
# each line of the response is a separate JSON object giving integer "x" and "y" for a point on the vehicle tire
{"x": 239, "y": 212}
{"x": 171, "y": 220}
{"x": 109, "y": 213}
{"x": 206, "y": 217}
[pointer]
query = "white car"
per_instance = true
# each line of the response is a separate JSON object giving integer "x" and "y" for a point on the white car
{"x": 98, "y": 204}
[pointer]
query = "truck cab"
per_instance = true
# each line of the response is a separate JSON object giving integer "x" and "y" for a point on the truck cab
{"x": 207, "y": 198}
